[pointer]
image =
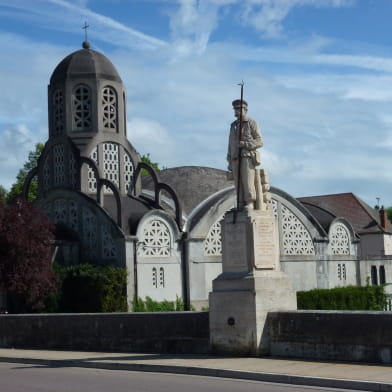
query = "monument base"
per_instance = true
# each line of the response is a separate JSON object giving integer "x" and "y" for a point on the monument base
{"x": 250, "y": 286}
{"x": 239, "y": 308}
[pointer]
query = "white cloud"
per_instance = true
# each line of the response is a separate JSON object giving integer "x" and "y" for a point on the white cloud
{"x": 62, "y": 15}
{"x": 266, "y": 16}
{"x": 16, "y": 141}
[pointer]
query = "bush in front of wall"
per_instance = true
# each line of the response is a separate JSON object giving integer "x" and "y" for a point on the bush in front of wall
{"x": 88, "y": 288}
{"x": 343, "y": 298}
{"x": 149, "y": 305}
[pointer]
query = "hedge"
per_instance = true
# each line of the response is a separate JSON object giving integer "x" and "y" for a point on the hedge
{"x": 343, "y": 298}
{"x": 87, "y": 288}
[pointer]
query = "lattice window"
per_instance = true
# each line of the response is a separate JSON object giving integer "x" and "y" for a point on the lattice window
{"x": 58, "y": 165}
{"x": 161, "y": 277}
{"x": 111, "y": 166}
{"x": 89, "y": 234}
{"x": 46, "y": 175}
{"x": 339, "y": 240}
{"x": 274, "y": 204}
{"x": 81, "y": 108}
{"x": 155, "y": 240}
{"x": 92, "y": 181}
{"x": 296, "y": 238}
{"x": 108, "y": 245}
{"x": 109, "y": 106}
{"x": 128, "y": 171}
{"x": 60, "y": 211}
{"x": 73, "y": 172}
{"x": 73, "y": 215}
{"x": 213, "y": 241}
{"x": 58, "y": 111}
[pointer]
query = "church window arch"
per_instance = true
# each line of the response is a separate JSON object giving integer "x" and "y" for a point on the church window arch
{"x": 109, "y": 108}
{"x": 109, "y": 249}
{"x": 213, "y": 241}
{"x": 89, "y": 234}
{"x": 81, "y": 108}
{"x": 128, "y": 170}
{"x": 339, "y": 240}
{"x": 58, "y": 165}
{"x": 296, "y": 238}
{"x": 155, "y": 240}
{"x": 111, "y": 164}
{"x": 58, "y": 111}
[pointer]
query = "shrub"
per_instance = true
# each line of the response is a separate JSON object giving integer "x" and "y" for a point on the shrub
{"x": 89, "y": 288}
{"x": 149, "y": 305}
{"x": 343, "y": 298}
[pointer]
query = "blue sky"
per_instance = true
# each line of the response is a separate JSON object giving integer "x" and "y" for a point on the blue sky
{"x": 317, "y": 73}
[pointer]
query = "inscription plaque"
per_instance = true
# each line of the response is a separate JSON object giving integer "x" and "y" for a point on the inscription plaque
{"x": 265, "y": 243}
{"x": 235, "y": 255}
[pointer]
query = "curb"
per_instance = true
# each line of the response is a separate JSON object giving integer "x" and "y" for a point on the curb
{"x": 210, "y": 372}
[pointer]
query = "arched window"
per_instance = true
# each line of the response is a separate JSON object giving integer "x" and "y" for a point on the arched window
{"x": 213, "y": 242}
{"x": 382, "y": 275}
{"x": 155, "y": 240}
{"x": 339, "y": 240}
{"x": 58, "y": 165}
{"x": 58, "y": 111}
{"x": 109, "y": 108}
{"x": 111, "y": 164}
{"x": 373, "y": 273}
{"x": 296, "y": 238}
{"x": 128, "y": 170}
{"x": 81, "y": 108}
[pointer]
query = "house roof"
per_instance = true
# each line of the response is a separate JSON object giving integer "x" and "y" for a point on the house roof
{"x": 362, "y": 217}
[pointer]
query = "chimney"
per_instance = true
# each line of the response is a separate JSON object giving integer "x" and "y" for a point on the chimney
{"x": 383, "y": 217}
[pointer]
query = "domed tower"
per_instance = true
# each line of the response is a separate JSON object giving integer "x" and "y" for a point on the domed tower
{"x": 87, "y": 128}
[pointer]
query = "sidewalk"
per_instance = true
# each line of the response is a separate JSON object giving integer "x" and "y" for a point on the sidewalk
{"x": 364, "y": 377}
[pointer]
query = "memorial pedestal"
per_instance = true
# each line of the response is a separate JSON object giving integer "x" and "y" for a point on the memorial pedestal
{"x": 250, "y": 285}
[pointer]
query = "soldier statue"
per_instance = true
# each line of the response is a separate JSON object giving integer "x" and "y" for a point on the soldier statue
{"x": 242, "y": 155}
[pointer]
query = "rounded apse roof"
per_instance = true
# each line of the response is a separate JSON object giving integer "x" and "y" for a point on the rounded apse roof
{"x": 85, "y": 63}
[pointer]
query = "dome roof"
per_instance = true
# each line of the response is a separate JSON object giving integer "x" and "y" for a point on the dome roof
{"x": 85, "y": 63}
{"x": 192, "y": 184}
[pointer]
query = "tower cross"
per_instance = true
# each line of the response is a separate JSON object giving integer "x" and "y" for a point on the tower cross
{"x": 85, "y": 27}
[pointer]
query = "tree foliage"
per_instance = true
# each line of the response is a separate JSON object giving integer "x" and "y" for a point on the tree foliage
{"x": 90, "y": 288}
{"x": 389, "y": 213}
{"x": 147, "y": 159}
{"x": 3, "y": 194}
{"x": 26, "y": 244}
{"x": 17, "y": 187}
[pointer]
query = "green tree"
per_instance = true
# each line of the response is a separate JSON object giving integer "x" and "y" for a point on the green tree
{"x": 389, "y": 213}
{"x": 17, "y": 187}
{"x": 147, "y": 159}
{"x": 3, "y": 194}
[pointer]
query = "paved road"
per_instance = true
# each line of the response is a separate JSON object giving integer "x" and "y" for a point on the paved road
{"x": 31, "y": 378}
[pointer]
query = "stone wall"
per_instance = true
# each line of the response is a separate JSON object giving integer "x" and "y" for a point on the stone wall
{"x": 323, "y": 335}
{"x": 331, "y": 335}
{"x": 172, "y": 332}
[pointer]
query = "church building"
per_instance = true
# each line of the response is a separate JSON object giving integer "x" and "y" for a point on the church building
{"x": 165, "y": 227}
